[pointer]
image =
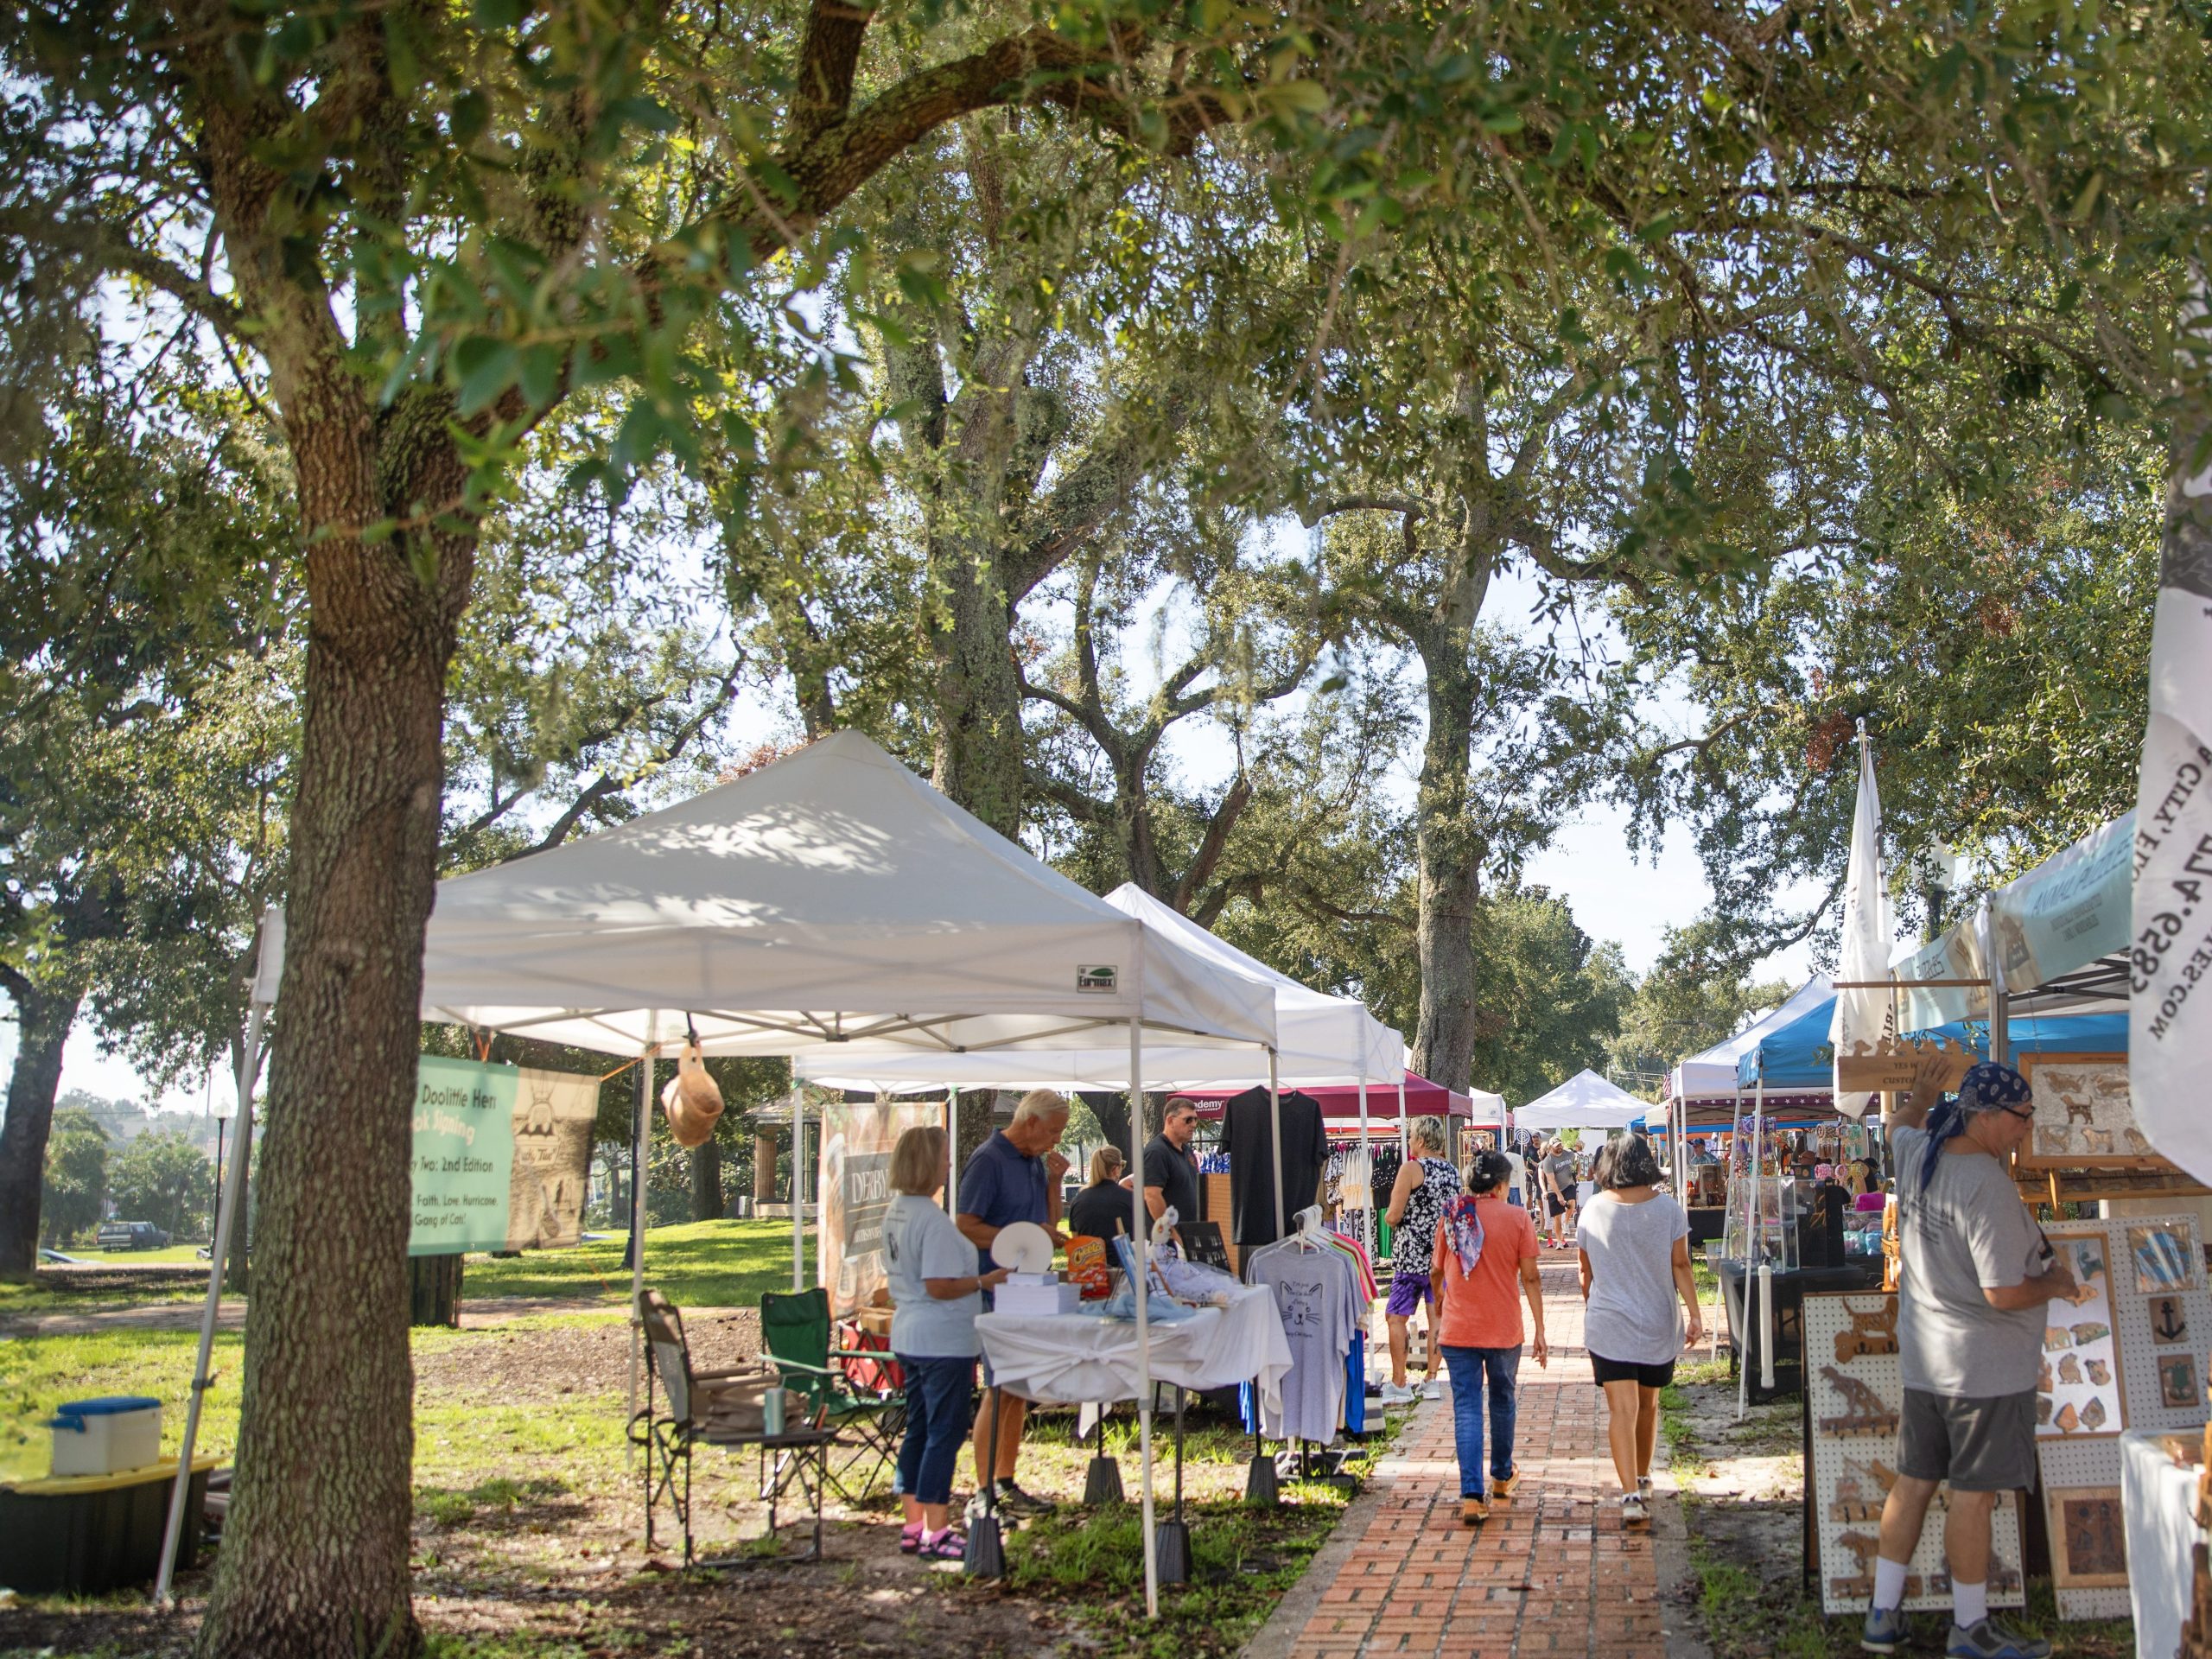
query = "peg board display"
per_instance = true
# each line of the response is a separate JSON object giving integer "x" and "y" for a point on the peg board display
{"x": 2153, "y": 1296}
{"x": 1855, "y": 1394}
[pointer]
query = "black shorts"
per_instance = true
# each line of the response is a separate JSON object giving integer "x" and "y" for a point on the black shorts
{"x": 1624, "y": 1370}
{"x": 1551, "y": 1204}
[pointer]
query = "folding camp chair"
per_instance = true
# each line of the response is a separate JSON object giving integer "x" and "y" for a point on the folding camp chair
{"x": 869, "y": 1422}
{"x": 719, "y": 1408}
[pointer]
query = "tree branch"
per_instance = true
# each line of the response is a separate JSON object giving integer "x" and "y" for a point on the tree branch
{"x": 827, "y": 59}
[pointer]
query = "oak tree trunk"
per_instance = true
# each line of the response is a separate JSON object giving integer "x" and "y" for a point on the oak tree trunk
{"x": 706, "y": 1181}
{"x": 314, "y": 1558}
{"x": 434, "y": 1290}
{"x": 42, "y": 1020}
{"x": 979, "y": 736}
{"x": 1449, "y": 856}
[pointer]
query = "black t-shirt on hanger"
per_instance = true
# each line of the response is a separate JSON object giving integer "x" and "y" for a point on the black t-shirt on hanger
{"x": 1246, "y": 1133}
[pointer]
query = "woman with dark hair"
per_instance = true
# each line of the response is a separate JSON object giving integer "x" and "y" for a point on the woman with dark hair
{"x": 1486, "y": 1257}
{"x": 1634, "y": 1241}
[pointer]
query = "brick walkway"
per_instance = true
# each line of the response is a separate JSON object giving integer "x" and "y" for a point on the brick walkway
{"x": 1549, "y": 1572}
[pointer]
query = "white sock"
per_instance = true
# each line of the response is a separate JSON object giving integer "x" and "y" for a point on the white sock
{"x": 1969, "y": 1604}
{"x": 1889, "y": 1584}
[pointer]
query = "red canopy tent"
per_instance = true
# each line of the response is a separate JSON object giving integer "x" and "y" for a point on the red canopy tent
{"x": 1423, "y": 1099}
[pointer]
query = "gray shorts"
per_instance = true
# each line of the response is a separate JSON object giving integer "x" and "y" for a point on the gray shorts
{"x": 1985, "y": 1444}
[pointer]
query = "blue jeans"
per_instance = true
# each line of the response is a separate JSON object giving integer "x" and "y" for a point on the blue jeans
{"x": 939, "y": 1403}
{"x": 1467, "y": 1366}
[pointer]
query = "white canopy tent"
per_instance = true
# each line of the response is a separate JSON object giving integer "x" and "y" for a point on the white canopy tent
{"x": 830, "y": 898}
{"x": 1712, "y": 1075}
{"x": 1584, "y": 1100}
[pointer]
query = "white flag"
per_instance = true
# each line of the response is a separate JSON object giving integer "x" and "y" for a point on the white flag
{"x": 2169, "y": 978}
{"x": 1865, "y": 1021}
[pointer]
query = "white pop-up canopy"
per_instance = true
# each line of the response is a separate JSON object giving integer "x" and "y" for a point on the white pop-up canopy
{"x": 831, "y": 898}
{"x": 1584, "y": 1100}
{"x": 1712, "y": 1075}
{"x": 1321, "y": 1039}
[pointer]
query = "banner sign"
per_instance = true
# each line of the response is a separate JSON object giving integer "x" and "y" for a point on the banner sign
{"x": 500, "y": 1157}
{"x": 855, "y": 1190}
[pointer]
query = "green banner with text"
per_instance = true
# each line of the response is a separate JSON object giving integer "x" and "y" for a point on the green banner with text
{"x": 500, "y": 1157}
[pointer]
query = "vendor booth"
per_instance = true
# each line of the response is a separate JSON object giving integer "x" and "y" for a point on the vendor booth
{"x": 1584, "y": 1100}
{"x": 831, "y": 898}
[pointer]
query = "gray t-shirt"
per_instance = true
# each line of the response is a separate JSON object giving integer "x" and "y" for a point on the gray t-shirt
{"x": 1314, "y": 1293}
{"x": 1561, "y": 1170}
{"x": 1632, "y": 1315}
{"x": 920, "y": 1242}
{"x": 1968, "y": 1232}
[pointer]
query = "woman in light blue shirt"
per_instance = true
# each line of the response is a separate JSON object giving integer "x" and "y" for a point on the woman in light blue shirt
{"x": 935, "y": 1294}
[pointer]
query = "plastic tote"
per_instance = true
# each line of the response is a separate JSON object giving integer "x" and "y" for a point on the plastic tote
{"x": 102, "y": 1436}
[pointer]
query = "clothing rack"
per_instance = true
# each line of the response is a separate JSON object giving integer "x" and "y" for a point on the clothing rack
{"x": 1300, "y": 1458}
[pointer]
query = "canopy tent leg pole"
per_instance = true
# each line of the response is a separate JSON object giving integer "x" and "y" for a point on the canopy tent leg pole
{"x": 1402, "y": 1147}
{"x": 1275, "y": 1131}
{"x": 951, "y": 1146}
{"x": 1366, "y": 1228}
{"x": 799, "y": 1190}
{"x": 641, "y": 1130}
{"x": 226, "y": 1219}
{"x": 1139, "y": 1255}
{"x": 1750, "y": 1247}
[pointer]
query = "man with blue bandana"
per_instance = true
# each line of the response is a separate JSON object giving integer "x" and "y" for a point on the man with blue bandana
{"x": 1976, "y": 1275}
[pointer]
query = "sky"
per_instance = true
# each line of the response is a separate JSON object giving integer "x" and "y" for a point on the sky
{"x": 1630, "y": 900}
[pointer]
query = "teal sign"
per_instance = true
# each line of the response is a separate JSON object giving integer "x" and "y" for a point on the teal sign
{"x": 464, "y": 1155}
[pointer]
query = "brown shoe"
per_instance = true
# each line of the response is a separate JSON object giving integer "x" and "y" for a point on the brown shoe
{"x": 1473, "y": 1511}
{"x": 1502, "y": 1491}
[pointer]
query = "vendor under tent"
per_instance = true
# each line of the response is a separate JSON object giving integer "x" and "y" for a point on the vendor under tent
{"x": 1584, "y": 1100}
{"x": 833, "y": 896}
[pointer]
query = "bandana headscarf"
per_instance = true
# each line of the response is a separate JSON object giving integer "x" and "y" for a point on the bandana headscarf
{"x": 1986, "y": 1084}
{"x": 1463, "y": 1227}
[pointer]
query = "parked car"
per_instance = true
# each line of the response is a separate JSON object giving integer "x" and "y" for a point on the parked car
{"x": 131, "y": 1236}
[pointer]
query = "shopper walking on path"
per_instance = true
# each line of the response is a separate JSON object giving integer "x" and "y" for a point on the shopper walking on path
{"x": 1427, "y": 1185}
{"x": 1484, "y": 1263}
{"x": 1557, "y": 1166}
{"x": 936, "y": 1293}
{"x": 1977, "y": 1273}
{"x": 1635, "y": 1248}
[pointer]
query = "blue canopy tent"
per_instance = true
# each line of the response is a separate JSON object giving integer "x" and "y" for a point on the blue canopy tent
{"x": 1800, "y": 1056}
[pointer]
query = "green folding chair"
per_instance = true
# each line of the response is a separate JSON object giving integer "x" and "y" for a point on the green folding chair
{"x": 795, "y": 1336}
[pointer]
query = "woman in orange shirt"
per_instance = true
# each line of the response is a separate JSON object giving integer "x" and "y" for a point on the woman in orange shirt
{"x": 1484, "y": 1263}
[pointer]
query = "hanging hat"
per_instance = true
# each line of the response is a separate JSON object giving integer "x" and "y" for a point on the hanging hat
{"x": 691, "y": 1100}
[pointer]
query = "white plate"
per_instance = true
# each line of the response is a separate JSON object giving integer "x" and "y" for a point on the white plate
{"x": 1024, "y": 1247}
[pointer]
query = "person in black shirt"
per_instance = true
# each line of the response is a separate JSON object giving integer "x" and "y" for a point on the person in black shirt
{"x": 1171, "y": 1175}
{"x": 1102, "y": 1210}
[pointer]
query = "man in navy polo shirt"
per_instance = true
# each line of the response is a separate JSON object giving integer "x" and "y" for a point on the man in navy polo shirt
{"x": 1014, "y": 1176}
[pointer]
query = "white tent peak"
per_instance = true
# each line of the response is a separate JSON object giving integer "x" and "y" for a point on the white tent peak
{"x": 1712, "y": 1075}
{"x": 1584, "y": 1100}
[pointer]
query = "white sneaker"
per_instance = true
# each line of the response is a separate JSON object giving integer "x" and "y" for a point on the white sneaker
{"x": 1636, "y": 1510}
{"x": 1431, "y": 1389}
{"x": 1395, "y": 1393}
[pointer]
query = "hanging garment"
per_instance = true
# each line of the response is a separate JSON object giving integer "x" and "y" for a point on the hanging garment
{"x": 1356, "y": 1252}
{"x": 1250, "y": 1139}
{"x": 1318, "y": 1300}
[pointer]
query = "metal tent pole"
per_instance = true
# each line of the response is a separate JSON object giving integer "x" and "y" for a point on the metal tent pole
{"x": 798, "y": 1191}
{"x": 641, "y": 1132}
{"x": 1139, "y": 1255}
{"x": 1367, "y": 1235}
{"x": 1275, "y": 1131}
{"x": 225, "y": 1220}
{"x": 951, "y": 1147}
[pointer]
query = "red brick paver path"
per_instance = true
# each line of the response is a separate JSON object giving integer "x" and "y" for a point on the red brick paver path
{"x": 1549, "y": 1572}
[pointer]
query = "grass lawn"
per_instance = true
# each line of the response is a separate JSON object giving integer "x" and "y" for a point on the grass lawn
{"x": 707, "y": 1263}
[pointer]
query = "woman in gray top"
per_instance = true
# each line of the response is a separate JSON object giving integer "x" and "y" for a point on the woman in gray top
{"x": 1635, "y": 1260}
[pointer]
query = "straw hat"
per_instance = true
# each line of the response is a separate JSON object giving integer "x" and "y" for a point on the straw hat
{"x": 691, "y": 1100}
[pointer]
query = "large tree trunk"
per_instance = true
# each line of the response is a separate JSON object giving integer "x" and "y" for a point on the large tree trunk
{"x": 314, "y": 1558}
{"x": 42, "y": 1021}
{"x": 706, "y": 1181}
{"x": 1450, "y": 862}
{"x": 764, "y": 1167}
{"x": 434, "y": 1290}
{"x": 979, "y": 738}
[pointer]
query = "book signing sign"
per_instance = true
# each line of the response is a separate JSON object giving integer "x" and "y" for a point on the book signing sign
{"x": 501, "y": 1154}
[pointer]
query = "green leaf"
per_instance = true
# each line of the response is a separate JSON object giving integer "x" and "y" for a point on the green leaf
{"x": 487, "y": 367}
{"x": 499, "y": 14}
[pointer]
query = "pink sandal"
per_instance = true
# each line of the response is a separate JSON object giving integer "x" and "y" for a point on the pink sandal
{"x": 910, "y": 1538}
{"x": 947, "y": 1546}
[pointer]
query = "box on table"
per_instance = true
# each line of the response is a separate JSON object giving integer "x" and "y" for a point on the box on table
{"x": 1032, "y": 1294}
{"x": 106, "y": 1435}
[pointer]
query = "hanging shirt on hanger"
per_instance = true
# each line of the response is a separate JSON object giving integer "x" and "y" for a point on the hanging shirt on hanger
{"x": 1315, "y": 1295}
{"x": 1249, "y": 1136}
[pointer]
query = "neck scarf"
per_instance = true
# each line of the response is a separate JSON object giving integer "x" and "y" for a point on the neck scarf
{"x": 1464, "y": 1225}
{"x": 1987, "y": 1086}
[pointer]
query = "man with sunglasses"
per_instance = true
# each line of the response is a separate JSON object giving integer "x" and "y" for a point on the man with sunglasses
{"x": 1976, "y": 1275}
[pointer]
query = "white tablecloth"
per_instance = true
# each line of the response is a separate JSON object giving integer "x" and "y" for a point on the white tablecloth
{"x": 1072, "y": 1358}
{"x": 2159, "y": 1499}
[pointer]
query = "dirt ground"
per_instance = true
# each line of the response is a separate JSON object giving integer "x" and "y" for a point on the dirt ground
{"x": 528, "y": 1543}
